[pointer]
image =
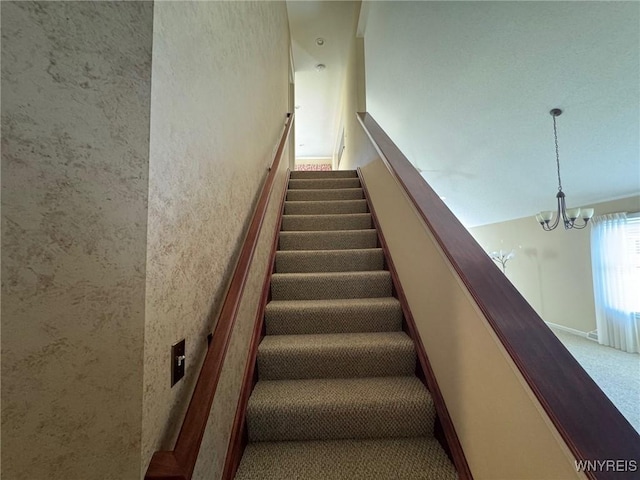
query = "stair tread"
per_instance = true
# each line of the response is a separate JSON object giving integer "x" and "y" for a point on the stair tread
{"x": 329, "y": 340}
{"x": 330, "y": 408}
{"x": 323, "y": 183}
{"x": 328, "y": 215}
{"x": 353, "y": 201}
{"x": 282, "y": 394}
{"x": 323, "y": 222}
{"x": 333, "y": 302}
{"x": 328, "y": 239}
{"x": 296, "y": 174}
{"x": 404, "y": 458}
{"x": 324, "y": 285}
{"x": 323, "y": 216}
{"x": 365, "y": 259}
{"x": 334, "y": 275}
{"x": 325, "y": 194}
{"x": 330, "y": 355}
{"x": 305, "y": 207}
{"x": 343, "y": 315}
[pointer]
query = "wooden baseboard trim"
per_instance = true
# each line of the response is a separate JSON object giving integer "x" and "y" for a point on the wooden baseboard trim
{"x": 452, "y": 443}
{"x": 238, "y": 437}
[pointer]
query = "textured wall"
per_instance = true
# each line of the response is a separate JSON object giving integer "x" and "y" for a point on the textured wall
{"x": 75, "y": 125}
{"x": 552, "y": 270}
{"x": 219, "y": 98}
{"x": 216, "y": 439}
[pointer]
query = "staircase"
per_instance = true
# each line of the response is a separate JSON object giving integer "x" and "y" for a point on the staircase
{"x": 337, "y": 396}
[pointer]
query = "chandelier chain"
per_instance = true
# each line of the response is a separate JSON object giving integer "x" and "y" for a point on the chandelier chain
{"x": 555, "y": 135}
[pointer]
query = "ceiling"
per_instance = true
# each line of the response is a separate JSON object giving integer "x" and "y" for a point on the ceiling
{"x": 318, "y": 93}
{"x": 464, "y": 89}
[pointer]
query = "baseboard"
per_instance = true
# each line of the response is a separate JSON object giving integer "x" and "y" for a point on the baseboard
{"x": 580, "y": 333}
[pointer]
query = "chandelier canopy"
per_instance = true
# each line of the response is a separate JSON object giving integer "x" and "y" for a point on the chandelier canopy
{"x": 569, "y": 216}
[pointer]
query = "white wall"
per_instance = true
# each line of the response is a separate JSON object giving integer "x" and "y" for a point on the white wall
{"x": 552, "y": 270}
{"x": 358, "y": 149}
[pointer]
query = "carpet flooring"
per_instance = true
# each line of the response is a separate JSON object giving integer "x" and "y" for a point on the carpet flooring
{"x": 337, "y": 396}
{"x": 616, "y": 372}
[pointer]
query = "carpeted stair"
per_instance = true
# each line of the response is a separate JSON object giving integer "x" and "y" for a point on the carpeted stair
{"x": 337, "y": 396}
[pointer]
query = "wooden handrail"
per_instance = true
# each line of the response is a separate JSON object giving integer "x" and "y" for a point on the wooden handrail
{"x": 179, "y": 463}
{"x": 587, "y": 420}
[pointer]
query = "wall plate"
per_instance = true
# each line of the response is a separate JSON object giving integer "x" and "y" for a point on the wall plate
{"x": 177, "y": 361}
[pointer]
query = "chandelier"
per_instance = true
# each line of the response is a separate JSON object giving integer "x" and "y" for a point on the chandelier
{"x": 569, "y": 216}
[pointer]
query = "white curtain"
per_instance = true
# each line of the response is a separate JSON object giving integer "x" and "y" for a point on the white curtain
{"x": 615, "y": 258}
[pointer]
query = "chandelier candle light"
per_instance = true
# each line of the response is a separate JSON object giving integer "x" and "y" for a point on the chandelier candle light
{"x": 569, "y": 216}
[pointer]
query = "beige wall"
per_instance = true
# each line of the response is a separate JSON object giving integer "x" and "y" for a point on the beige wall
{"x": 216, "y": 438}
{"x": 503, "y": 430}
{"x": 552, "y": 270}
{"x": 124, "y": 204}
{"x": 358, "y": 150}
{"x": 218, "y": 103}
{"x": 76, "y": 80}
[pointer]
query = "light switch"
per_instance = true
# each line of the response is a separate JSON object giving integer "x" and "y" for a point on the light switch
{"x": 177, "y": 361}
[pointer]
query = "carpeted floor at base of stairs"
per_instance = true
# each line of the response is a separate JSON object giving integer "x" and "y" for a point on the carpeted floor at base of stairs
{"x": 337, "y": 396}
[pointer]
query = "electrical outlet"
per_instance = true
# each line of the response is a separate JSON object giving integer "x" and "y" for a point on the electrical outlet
{"x": 178, "y": 359}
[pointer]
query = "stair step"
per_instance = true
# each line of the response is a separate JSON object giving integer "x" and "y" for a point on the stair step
{"x": 322, "y": 183}
{"x": 325, "y": 207}
{"x": 298, "y": 261}
{"x": 326, "y": 285}
{"x": 322, "y": 409}
{"x": 328, "y": 240}
{"x": 401, "y": 458}
{"x": 350, "y": 355}
{"x": 325, "y": 194}
{"x": 291, "y": 317}
{"x": 324, "y": 174}
{"x": 346, "y": 221}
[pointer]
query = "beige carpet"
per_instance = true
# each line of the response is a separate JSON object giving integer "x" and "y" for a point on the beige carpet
{"x": 616, "y": 372}
{"x": 337, "y": 396}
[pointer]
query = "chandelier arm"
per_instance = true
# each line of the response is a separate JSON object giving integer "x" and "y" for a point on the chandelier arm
{"x": 554, "y": 224}
{"x": 580, "y": 227}
{"x": 558, "y": 215}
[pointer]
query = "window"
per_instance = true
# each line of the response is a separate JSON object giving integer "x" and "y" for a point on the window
{"x": 615, "y": 254}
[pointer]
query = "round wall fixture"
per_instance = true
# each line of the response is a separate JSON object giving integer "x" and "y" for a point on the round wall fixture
{"x": 320, "y": 41}
{"x": 320, "y": 67}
